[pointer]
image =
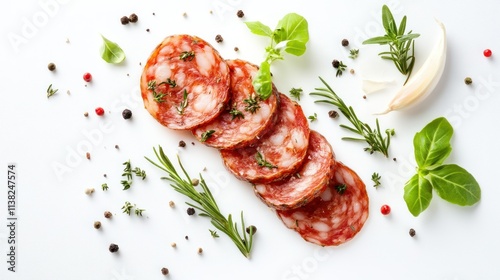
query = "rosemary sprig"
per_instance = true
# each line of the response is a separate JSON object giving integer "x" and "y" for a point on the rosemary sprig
{"x": 204, "y": 202}
{"x": 399, "y": 43}
{"x": 373, "y": 137}
{"x": 51, "y": 91}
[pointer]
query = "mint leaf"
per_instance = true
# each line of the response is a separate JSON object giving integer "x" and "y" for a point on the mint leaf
{"x": 417, "y": 194}
{"x": 455, "y": 184}
{"x": 292, "y": 27}
{"x": 432, "y": 144}
{"x": 258, "y": 28}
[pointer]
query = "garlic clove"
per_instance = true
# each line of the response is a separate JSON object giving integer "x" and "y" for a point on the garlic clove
{"x": 423, "y": 82}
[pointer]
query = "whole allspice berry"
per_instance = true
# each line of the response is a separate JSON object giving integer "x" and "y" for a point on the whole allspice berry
{"x": 113, "y": 248}
{"x": 97, "y": 225}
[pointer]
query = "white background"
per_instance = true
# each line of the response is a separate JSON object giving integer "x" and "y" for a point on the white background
{"x": 45, "y": 139}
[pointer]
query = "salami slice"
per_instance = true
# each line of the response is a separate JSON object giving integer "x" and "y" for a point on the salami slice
{"x": 185, "y": 82}
{"x": 240, "y": 124}
{"x": 278, "y": 154}
{"x": 307, "y": 183}
{"x": 335, "y": 216}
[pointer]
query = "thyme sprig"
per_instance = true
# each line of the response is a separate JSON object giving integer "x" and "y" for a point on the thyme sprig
{"x": 399, "y": 43}
{"x": 252, "y": 104}
{"x": 183, "y": 104}
{"x": 373, "y": 137}
{"x": 204, "y": 202}
{"x": 261, "y": 161}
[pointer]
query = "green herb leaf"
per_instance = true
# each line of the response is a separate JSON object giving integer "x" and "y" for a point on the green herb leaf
{"x": 51, "y": 91}
{"x": 261, "y": 161}
{"x": 205, "y": 135}
{"x": 432, "y": 143}
{"x": 455, "y": 184}
{"x": 291, "y": 36}
{"x": 376, "y": 179}
{"x": 296, "y": 93}
{"x": 417, "y": 194}
{"x": 111, "y": 52}
{"x": 292, "y": 27}
{"x": 262, "y": 82}
{"x": 313, "y": 117}
{"x": 258, "y": 28}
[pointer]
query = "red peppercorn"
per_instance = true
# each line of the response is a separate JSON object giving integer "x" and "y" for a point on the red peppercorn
{"x": 99, "y": 111}
{"x": 487, "y": 52}
{"x": 385, "y": 209}
{"x": 87, "y": 77}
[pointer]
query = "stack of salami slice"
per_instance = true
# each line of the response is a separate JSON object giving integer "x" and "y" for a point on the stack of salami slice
{"x": 187, "y": 85}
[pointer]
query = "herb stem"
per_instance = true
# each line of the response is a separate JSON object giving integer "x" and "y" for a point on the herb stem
{"x": 204, "y": 202}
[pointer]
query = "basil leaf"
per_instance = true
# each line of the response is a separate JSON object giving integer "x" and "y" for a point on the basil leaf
{"x": 258, "y": 28}
{"x": 262, "y": 82}
{"x": 455, "y": 184}
{"x": 292, "y": 47}
{"x": 432, "y": 144}
{"x": 111, "y": 52}
{"x": 417, "y": 194}
{"x": 292, "y": 27}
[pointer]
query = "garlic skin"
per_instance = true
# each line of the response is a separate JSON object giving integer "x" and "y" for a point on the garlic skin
{"x": 423, "y": 82}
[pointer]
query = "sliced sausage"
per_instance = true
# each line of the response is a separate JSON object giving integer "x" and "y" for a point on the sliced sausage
{"x": 246, "y": 118}
{"x": 185, "y": 82}
{"x": 334, "y": 217}
{"x": 278, "y": 154}
{"x": 307, "y": 183}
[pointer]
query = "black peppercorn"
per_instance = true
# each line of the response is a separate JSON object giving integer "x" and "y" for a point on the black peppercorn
{"x": 335, "y": 63}
{"x": 124, "y": 20}
{"x": 127, "y": 114}
{"x": 133, "y": 18}
{"x": 164, "y": 271}
{"x": 345, "y": 42}
{"x": 108, "y": 215}
{"x": 113, "y": 248}
{"x": 251, "y": 230}
{"x": 412, "y": 232}
{"x": 218, "y": 38}
{"x": 333, "y": 114}
{"x": 240, "y": 14}
{"x": 182, "y": 144}
{"x": 51, "y": 66}
{"x": 468, "y": 80}
{"x": 190, "y": 211}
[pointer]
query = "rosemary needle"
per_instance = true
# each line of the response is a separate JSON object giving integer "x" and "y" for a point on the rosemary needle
{"x": 204, "y": 202}
{"x": 373, "y": 137}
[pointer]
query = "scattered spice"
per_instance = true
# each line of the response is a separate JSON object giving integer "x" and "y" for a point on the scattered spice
{"x": 133, "y": 18}
{"x": 87, "y": 77}
{"x": 190, "y": 211}
{"x": 394, "y": 159}
{"x": 107, "y": 215}
{"x": 412, "y": 232}
{"x": 127, "y": 114}
{"x": 86, "y": 114}
{"x": 236, "y": 49}
{"x": 99, "y": 111}
{"x": 87, "y": 155}
{"x": 147, "y": 30}
{"x": 251, "y": 229}
{"x": 97, "y": 225}
{"x": 171, "y": 204}
{"x": 113, "y": 248}
{"x": 345, "y": 42}
{"x": 195, "y": 181}
{"x": 164, "y": 271}
{"x": 219, "y": 38}
{"x": 124, "y": 20}
{"x": 352, "y": 71}
{"x": 89, "y": 191}
{"x": 186, "y": 237}
{"x": 200, "y": 250}
{"x": 335, "y": 63}
{"x": 117, "y": 147}
{"x": 182, "y": 144}
{"x": 468, "y": 80}
{"x": 240, "y": 13}
{"x": 184, "y": 14}
{"x": 487, "y": 52}
{"x": 364, "y": 96}
{"x": 51, "y": 66}
{"x": 385, "y": 209}
{"x": 333, "y": 114}
{"x": 173, "y": 244}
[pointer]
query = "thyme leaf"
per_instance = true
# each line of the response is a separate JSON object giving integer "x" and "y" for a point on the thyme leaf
{"x": 263, "y": 162}
{"x": 205, "y": 135}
